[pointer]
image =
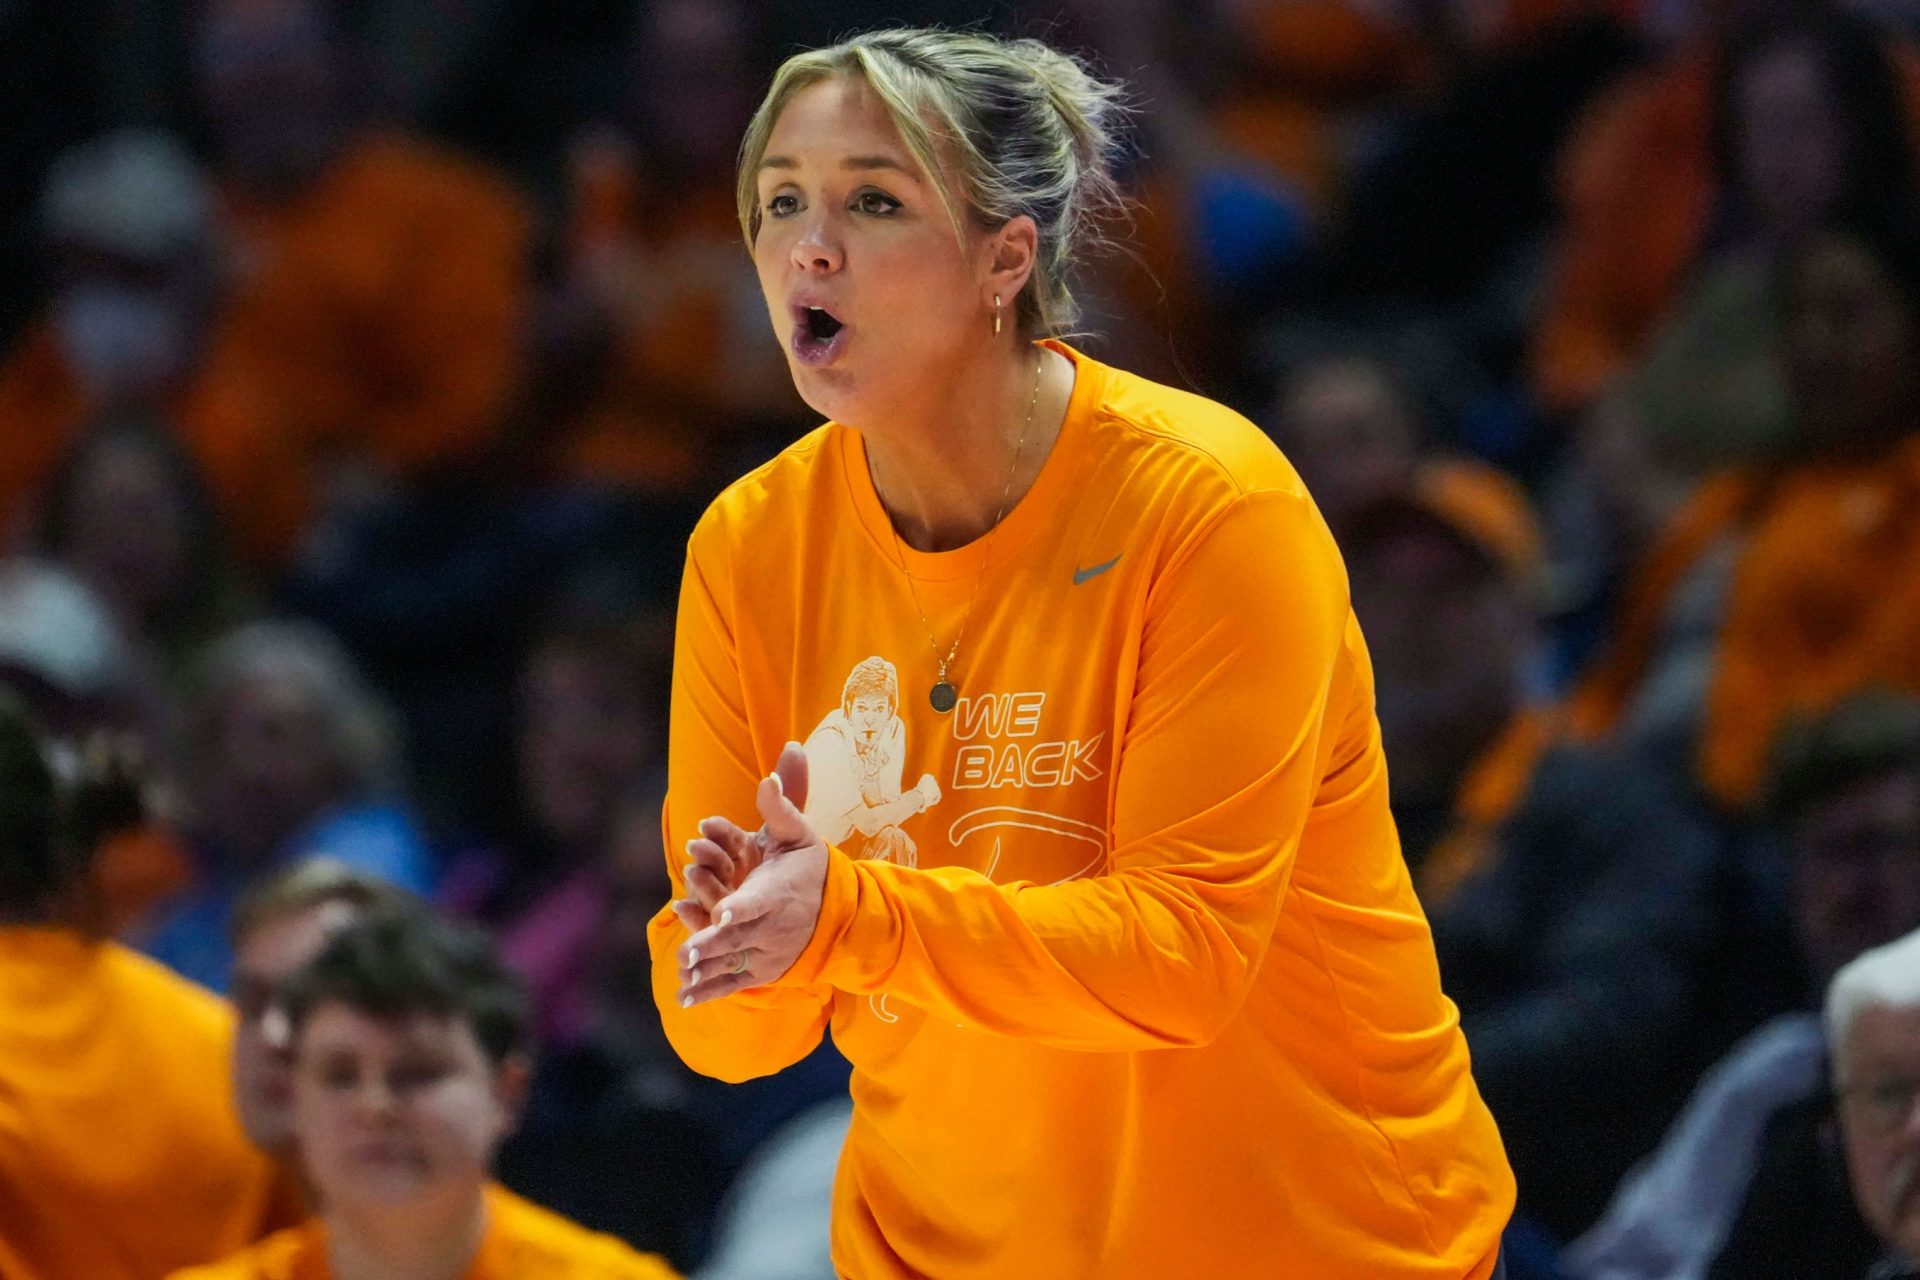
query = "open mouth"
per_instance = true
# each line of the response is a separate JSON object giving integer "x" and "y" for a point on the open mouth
{"x": 818, "y": 335}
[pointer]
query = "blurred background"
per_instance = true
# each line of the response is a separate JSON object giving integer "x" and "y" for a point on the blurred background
{"x": 364, "y": 365}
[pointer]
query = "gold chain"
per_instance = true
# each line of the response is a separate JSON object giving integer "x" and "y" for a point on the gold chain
{"x": 986, "y": 552}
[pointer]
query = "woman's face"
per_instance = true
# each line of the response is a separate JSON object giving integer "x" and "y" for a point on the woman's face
{"x": 1851, "y": 342}
{"x": 849, "y": 225}
{"x": 388, "y": 1111}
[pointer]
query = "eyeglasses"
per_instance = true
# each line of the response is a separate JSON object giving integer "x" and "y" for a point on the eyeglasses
{"x": 1884, "y": 1105}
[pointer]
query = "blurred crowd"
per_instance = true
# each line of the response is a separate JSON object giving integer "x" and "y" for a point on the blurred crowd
{"x": 363, "y": 367}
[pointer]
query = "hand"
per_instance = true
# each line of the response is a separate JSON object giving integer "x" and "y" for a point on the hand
{"x": 929, "y": 792}
{"x": 761, "y": 927}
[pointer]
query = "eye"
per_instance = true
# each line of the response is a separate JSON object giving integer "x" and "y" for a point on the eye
{"x": 875, "y": 203}
{"x": 339, "y": 1074}
{"x": 782, "y": 205}
{"x": 413, "y": 1077}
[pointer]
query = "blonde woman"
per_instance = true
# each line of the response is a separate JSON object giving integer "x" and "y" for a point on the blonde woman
{"x": 1158, "y": 999}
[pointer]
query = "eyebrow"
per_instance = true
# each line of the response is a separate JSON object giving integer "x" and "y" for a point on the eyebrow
{"x": 851, "y": 162}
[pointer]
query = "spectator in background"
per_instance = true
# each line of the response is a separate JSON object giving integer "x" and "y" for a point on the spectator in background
{"x": 1683, "y": 159}
{"x": 1567, "y": 890}
{"x": 409, "y": 1048}
{"x": 288, "y": 755}
{"x": 137, "y": 271}
{"x": 380, "y": 282}
{"x": 591, "y": 725}
{"x": 652, "y": 273}
{"x": 1810, "y": 132}
{"x": 128, "y": 513}
{"x": 1746, "y": 1184}
{"x": 1780, "y": 586}
{"x": 1351, "y": 430}
{"x": 119, "y": 1150}
{"x": 279, "y": 927}
{"x": 1445, "y": 574}
{"x": 1873, "y": 1024}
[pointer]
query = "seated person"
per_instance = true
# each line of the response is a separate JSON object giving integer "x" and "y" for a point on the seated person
{"x": 1746, "y": 1184}
{"x": 409, "y": 1051}
{"x": 1873, "y": 1024}
{"x": 280, "y": 927}
{"x": 289, "y": 755}
{"x": 1781, "y": 587}
{"x": 120, "y": 1156}
{"x": 1567, "y": 890}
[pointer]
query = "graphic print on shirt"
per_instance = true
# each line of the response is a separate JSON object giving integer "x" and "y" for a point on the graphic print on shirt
{"x": 856, "y": 757}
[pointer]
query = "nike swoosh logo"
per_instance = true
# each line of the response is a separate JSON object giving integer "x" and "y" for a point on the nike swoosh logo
{"x": 1082, "y": 575}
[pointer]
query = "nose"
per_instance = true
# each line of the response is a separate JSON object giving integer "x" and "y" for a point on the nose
{"x": 816, "y": 251}
{"x": 375, "y": 1098}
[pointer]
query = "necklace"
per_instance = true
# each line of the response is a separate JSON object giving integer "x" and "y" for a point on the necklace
{"x": 943, "y": 695}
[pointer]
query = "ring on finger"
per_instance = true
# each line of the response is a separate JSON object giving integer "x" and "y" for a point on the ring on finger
{"x": 741, "y": 960}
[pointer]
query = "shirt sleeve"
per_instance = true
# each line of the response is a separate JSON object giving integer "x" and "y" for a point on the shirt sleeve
{"x": 711, "y": 770}
{"x": 1220, "y": 762}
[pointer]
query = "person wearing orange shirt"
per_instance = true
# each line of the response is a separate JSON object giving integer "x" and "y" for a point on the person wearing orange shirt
{"x": 138, "y": 274}
{"x": 1782, "y": 586}
{"x": 408, "y": 1037}
{"x": 1156, "y": 997}
{"x": 1743, "y": 141}
{"x": 120, "y": 1154}
{"x": 1826, "y": 596}
{"x": 380, "y": 282}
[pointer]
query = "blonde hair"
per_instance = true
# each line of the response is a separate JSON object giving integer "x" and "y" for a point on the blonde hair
{"x": 1031, "y": 132}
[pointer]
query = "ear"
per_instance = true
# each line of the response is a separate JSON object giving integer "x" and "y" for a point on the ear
{"x": 1012, "y": 253}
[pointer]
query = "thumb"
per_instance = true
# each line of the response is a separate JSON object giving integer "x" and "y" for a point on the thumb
{"x": 792, "y": 769}
{"x": 786, "y": 827}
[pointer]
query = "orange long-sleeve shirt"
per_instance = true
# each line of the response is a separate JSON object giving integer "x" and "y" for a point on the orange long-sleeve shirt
{"x": 1123, "y": 949}
{"x": 121, "y": 1157}
{"x": 522, "y": 1241}
{"x": 1826, "y": 600}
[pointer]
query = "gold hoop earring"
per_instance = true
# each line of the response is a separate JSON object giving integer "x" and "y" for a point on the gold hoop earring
{"x": 996, "y": 313}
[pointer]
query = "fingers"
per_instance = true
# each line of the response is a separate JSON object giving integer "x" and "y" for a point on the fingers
{"x": 728, "y": 836}
{"x": 717, "y": 964}
{"x": 734, "y": 929}
{"x": 785, "y": 825}
{"x": 692, "y": 915}
{"x": 715, "y": 858}
{"x": 706, "y": 888}
{"x": 715, "y": 987}
{"x": 791, "y": 769}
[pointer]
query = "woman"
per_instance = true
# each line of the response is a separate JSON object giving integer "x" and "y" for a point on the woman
{"x": 120, "y": 1153}
{"x": 1157, "y": 998}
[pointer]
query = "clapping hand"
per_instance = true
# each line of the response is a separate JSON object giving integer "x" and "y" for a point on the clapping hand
{"x": 754, "y": 898}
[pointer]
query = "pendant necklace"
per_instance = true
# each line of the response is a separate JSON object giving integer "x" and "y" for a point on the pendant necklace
{"x": 943, "y": 695}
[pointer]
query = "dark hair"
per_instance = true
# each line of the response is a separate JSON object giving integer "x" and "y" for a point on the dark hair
{"x": 52, "y": 821}
{"x": 396, "y": 963}
{"x": 1867, "y": 734}
{"x": 1857, "y": 65}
